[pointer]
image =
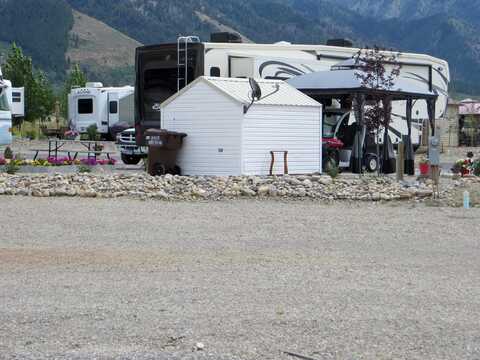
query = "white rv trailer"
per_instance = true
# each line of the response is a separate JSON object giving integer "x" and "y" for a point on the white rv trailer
{"x": 162, "y": 69}
{"x": 16, "y": 96}
{"x": 5, "y": 114}
{"x": 101, "y": 106}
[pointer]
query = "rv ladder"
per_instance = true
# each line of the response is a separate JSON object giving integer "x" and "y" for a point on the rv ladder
{"x": 182, "y": 59}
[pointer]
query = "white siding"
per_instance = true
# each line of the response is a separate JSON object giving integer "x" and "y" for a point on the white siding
{"x": 212, "y": 122}
{"x": 296, "y": 129}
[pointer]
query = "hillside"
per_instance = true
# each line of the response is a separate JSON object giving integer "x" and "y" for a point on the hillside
{"x": 42, "y": 31}
{"x": 104, "y": 53}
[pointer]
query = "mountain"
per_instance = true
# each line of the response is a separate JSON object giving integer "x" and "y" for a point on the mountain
{"x": 102, "y": 34}
{"x": 42, "y": 31}
{"x": 467, "y": 10}
{"x": 103, "y": 52}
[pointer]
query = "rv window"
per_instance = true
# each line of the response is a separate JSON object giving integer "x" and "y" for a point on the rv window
{"x": 215, "y": 71}
{"x": 85, "y": 106}
{"x": 16, "y": 97}
{"x": 113, "y": 107}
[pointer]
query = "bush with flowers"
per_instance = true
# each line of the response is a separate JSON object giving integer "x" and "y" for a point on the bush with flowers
{"x": 59, "y": 161}
{"x": 462, "y": 167}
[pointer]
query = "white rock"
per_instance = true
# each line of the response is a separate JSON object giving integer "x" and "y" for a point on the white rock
{"x": 325, "y": 180}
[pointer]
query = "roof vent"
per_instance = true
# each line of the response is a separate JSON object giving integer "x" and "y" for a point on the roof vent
{"x": 225, "y": 37}
{"x": 340, "y": 42}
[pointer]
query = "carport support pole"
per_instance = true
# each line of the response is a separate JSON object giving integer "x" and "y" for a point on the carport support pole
{"x": 431, "y": 114}
{"x": 357, "y": 153}
{"x": 409, "y": 153}
{"x": 388, "y": 163}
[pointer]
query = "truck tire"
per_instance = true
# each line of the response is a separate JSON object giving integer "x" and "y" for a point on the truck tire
{"x": 371, "y": 163}
{"x": 130, "y": 159}
{"x": 159, "y": 170}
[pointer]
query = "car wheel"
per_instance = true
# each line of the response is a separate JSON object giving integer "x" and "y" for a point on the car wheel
{"x": 159, "y": 169}
{"x": 177, "y": 170}
{"x": 130, "y": 159}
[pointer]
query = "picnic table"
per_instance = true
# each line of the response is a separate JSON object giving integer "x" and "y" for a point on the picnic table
{"x": 56, "y": 146}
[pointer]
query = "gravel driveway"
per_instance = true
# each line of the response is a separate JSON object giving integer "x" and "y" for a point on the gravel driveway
{"x": 125, "y": 279}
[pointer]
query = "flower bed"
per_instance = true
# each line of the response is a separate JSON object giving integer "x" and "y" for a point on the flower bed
{"x": 59, "y": 161}
{"x": 467, "y": 167}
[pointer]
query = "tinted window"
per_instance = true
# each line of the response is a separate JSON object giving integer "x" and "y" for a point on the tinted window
{"x": 215, "y": 71}
{"x": 85, "y": 106}
{"x": 16, "y": 99}
{"x": 113, "y": 107}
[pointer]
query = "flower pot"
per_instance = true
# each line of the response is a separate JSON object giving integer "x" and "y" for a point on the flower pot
{"x": 424, "y": 168}
{"x": 465, "y": 172}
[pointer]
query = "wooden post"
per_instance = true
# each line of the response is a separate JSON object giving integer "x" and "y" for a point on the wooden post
{"x": 272, "y": 163}
{"x": 400, "y": 161}
{"x": 57, "y": 113}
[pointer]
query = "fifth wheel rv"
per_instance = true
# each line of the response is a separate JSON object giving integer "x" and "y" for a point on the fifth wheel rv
{"x": 102, "y": 106}
{"x": 162, "y": 70}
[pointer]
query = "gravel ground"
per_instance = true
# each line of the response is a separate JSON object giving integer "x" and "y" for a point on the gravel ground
{"x": 126, "y": 279}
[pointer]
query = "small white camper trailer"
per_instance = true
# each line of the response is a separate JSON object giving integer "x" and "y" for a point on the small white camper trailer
{"x": 17, "y": 101}
{"x": 101, "y": 106}
{"x": 5, "y": 115}
{"x": 5, "y": 112}
{"x": 227, "y": 134}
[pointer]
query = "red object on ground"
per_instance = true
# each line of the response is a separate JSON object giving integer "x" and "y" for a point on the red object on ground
{"x": 333, "y": 143}
{"x": 424, "y": 168}
{"x": 465, "y": 172}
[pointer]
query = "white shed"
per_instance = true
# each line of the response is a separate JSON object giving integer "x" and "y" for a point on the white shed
{"x": 223, "y": 140}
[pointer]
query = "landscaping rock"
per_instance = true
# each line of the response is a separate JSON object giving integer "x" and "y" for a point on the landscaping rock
{"x": 143, "y": 186}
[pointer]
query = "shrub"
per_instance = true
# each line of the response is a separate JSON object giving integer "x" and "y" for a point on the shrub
{"x": 12, "y": 167}
{"x": 31, "y": 134}
{"x": 333, "y": 171}
{"x": 84, "y": 169}
{"x": 8, "y": 153}
{"x": 476, "y": 168}
{"x": 92, "y": 132}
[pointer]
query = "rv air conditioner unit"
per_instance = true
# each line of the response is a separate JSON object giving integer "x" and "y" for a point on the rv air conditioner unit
{"x": 94, "y": 85}
{"x": 225, "y": 37}
{"x": 340, "y": 43}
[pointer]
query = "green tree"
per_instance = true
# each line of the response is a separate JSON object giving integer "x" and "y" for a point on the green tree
{"x": 39, "y": 97}
{"x": 76, "y": 78}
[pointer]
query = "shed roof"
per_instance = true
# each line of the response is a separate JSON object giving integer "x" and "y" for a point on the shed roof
{"x": 239, "y": 90}
{"x": 346, "y": 81}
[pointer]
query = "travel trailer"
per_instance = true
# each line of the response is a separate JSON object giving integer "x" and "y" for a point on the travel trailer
{"x": 16, "y": 97}
{"x": 162, "y": 70}
{"x": 101, "y": 106}
{"x": 5, "y": 112}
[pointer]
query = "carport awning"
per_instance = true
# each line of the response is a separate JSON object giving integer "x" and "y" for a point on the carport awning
{"x": 346, "y": 82}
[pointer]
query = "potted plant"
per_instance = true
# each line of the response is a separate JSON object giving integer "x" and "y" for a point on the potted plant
{"x": 424, "y": 166}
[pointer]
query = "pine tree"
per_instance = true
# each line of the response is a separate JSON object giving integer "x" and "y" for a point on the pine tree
{"x": 76, "y": 78}
{"x": 39, "y": 97}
